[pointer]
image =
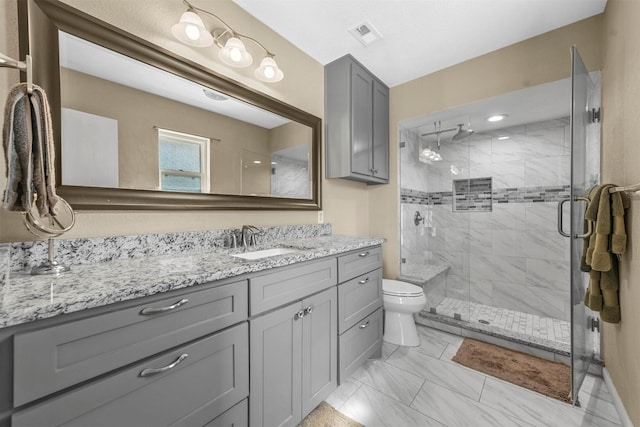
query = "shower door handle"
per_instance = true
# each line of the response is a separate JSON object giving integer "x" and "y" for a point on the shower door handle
{"x": 560, "y": 226}
{"x": 589, "y": 231}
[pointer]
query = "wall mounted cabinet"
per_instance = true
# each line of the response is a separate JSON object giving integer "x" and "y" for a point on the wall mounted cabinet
{"x": 357, "y": 123}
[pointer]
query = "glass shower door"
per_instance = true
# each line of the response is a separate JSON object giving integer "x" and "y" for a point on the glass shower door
{"x": 582, "y": 336}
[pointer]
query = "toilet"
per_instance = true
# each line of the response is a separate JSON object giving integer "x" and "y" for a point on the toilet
{"x": 400, "y": 300}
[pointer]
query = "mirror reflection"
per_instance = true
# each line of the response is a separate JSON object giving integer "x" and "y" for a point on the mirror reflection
{"x": 129, "y": 125}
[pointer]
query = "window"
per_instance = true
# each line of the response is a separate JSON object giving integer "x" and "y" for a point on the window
{"x": 184, "y": 162}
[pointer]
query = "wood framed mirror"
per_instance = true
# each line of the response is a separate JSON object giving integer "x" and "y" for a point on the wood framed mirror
{"x": 192, "y": 139}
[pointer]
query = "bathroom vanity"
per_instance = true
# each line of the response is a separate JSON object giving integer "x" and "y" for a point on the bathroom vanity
{"x": 213, "y": 339}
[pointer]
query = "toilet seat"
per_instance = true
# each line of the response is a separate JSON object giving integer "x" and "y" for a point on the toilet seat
{"x": 397, "y": 288}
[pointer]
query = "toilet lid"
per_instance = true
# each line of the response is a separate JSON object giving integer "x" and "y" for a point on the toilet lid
{"x": 401, "y": 289}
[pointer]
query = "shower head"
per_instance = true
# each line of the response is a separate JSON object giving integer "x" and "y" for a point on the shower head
{"x": 462, "y": 134}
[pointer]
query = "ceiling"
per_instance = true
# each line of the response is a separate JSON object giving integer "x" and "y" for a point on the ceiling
{"x": 418, "y": 36}
{"x": 534, "y": 104}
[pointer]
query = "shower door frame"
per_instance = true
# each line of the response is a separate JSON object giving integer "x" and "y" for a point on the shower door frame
{"x": 582, "y": 335}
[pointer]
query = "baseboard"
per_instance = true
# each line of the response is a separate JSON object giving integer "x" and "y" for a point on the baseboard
{"x": 624, "y": 417}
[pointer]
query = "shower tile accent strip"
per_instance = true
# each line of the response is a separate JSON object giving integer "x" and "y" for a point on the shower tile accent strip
{"x": 103, "y": 249}
{"x": 501, "y": 195}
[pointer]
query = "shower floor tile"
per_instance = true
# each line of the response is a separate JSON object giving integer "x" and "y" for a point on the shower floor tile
{"x": 513, "y": 321}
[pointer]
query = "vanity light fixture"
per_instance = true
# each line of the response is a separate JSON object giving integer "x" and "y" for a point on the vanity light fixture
{"x": 497, "y": 117}
{"x": 232, "y": 50}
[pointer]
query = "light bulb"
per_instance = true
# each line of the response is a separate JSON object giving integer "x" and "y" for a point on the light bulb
{"x": 269, "y": 72}
{"x": 192, "y": 32}
{"x": 235, "y": 54}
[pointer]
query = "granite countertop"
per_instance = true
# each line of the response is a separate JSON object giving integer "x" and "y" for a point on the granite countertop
{"x": 27, "y": 298}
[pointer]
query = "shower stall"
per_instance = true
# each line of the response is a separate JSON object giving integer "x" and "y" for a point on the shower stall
{"x": 485, "y": 217}
{"x": 479, "y": 216}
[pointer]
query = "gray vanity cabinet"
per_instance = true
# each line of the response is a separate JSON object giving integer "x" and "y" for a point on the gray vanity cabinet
{"x": 357, "y": 123}
{"x": 188, "y": 386}
{"x": 293, "y": 362}
{"x": 52, "y": 358}
{"x": 178, "y": 358}
{"x": 359, "y": 309}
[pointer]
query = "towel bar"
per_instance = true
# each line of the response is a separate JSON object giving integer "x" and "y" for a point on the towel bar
{"x": 26, "y": 65}
{"x": 627, "y": 189}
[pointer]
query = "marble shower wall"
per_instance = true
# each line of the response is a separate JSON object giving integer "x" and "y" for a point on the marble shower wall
{"x": 513, "y": 256}
{"x": 290, "y": 178}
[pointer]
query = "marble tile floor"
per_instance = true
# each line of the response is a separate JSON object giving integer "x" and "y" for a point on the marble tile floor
{"x": 546, "y": 328}
{"x": 422, "y": 386}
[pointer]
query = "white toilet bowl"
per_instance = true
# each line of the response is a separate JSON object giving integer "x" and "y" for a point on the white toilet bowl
{"x": 400, "y": 301}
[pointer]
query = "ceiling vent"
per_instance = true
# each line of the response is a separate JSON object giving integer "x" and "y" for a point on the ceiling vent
{"x": 365, "y": 33}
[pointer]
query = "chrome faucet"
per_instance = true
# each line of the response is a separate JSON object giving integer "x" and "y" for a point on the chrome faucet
{"x": 251, "y": 232}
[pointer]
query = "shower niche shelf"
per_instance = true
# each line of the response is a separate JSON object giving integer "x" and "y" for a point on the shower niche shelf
{"x": 472, "y": 195}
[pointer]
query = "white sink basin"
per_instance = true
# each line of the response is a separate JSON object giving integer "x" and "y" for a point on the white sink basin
{"x": 265, "y": 253}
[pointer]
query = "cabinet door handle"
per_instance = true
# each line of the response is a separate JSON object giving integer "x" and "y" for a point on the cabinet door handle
{"x": 363, "y": 254}
{"x": 364, "y": 325}
{"x": 152, "y": 371}
{"x": 299, "y": 315}
{"x": 156, "y": 310}
{"x": 308, "y": 310}
{"x": 362, "y": 282}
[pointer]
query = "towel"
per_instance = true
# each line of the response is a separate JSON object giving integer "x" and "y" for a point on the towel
{"x": 29, "y": 151}
{"x": 606, "y": 211}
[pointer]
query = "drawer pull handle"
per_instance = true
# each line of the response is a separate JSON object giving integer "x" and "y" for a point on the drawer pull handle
{"x": 299, "y": 315}
{"x": 308, "y": 310}
{"x": 156, "y": 310}
{"x": 152, "y": 371}
{"x": 363, "y": 254}
{"x": 362, "y": 282}
{"x": 364, "y": 325}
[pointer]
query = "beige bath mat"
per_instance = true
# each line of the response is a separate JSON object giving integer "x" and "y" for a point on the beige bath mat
{"x": 325, "y": 415}
{"x": 552, "y": 379}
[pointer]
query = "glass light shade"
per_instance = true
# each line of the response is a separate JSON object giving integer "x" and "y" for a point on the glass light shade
{"x": 190, "y": 30}
{"x": 428, "y": 155}
{"x": 235, "y": 54}
{"x": 268, "y": 71}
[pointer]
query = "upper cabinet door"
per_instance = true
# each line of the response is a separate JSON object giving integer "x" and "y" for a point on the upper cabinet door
{"x": 361, "y": 124}
{"x": 380, "y": 131}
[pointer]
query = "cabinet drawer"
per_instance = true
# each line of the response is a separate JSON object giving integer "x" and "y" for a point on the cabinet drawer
{"x": 211, "y": 379}
{"x": 238, "y": 416}
{"x": 290, "y": 284}
{"x": 359, "y": 343}
{"x": 359, "y": 297}
{"x": 54, "y": 358}
{"x": 357, "y": 263}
